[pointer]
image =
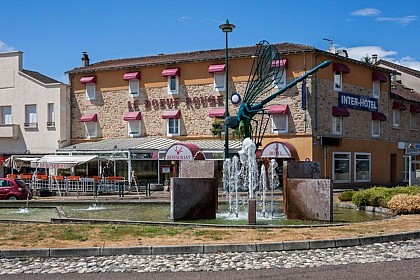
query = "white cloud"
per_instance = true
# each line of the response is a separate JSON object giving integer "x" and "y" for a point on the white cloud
{"x": 183, "y": 19}
{"x": 402, "y": 21}
{"x": 366, "y": 12}
{"x": 409, "y": 62}
{"x": 5, "y": 48}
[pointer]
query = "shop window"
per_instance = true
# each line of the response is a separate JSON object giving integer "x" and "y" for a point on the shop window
{"x": 90, "y": 91}
{"x": 279, "y": 123}
{"x": 133, "y": 87}
{"x": 134, "y": 128}
{"x": 6, "y": 114}
{"x": 376, "y": 128}
{"x": 341, "y": 167}
{"x": 396, "y": 118}
{"x": 337, "y": 128}
{"x": 413, "y": 121}
{"x": 376, "y": 89}
{"x": 30, "y": 116}
{"x": 406, "y": 167}
{"x": 91, "y": 130}
{"x": 338, "y": 81}
{"x": 172, "y": 127}
{"x": 362, "y": 167}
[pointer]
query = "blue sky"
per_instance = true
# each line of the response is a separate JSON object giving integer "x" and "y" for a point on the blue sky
{"x": 54, "y": 33}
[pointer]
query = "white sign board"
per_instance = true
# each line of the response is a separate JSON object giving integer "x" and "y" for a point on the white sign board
{"x": 276, "y": 150}
{"x": 179, "y": 152}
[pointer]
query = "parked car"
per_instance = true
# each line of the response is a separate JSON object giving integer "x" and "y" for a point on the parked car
{"x": 13, "y": 189}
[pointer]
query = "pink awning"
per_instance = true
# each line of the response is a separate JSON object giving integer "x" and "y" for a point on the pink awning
{"x": 171, "y": 114}
{"x": 376, "y": 76}
{"x": 415, "y": 108}
{"x": 88, "y": 79}
{"x": 398, "y": 106}
{"x": 340, "y": 112}
{"x": 278, "y": 109}
{"x": 89, "y": 118}
{"x": 131, "y": 76}
{"x": 376, "y": 116}
{"x": 339, "y": 67}
{"x": 171, "y": 72}
{"x": 217, "y": 112}
{"x": 217, "y": 68}
{"x": 132, "y": 116}
{"x": 279, "y": 63}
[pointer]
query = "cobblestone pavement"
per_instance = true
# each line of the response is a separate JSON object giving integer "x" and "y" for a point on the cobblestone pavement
{"x": 378, "y": 252}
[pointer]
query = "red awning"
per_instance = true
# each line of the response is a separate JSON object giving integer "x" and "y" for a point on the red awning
{"x": 279, "y": 63}
{"x": 339, "y": 67}
{"x": 340, "y": 112}
{"x": 376, "y": 76}
{"x": 415, "y": 108}
{"x": 376, "y": 116}
{"x": 217, "y": 68}
{"x": 278, "y": 109}
{"x": 171, "y": 72}
{"x": 132, "y": 116}
{"x": 89, "y": 118}
{"x": 217, "y": 112}
{"x": 171, "y": 114}
{"x": 88, "y": 80}
{"x": 131, "y": 76}
{"x": 398, "y": 106}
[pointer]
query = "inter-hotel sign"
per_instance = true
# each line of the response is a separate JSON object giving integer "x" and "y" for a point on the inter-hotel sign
{"x": 358, "y": 102}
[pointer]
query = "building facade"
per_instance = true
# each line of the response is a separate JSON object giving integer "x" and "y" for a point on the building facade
{"x": 34, "y": 111}
{"x": 343, "y": 116}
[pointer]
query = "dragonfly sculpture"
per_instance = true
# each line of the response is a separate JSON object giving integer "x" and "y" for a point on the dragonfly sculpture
{"x": 267, "y": 68}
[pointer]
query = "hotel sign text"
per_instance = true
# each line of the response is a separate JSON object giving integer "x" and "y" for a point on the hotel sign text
{"x": 358, "y": 102}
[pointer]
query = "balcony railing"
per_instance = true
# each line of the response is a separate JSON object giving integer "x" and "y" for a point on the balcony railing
{"x": 30, "y": 124}
{"x": 50, "y": 124}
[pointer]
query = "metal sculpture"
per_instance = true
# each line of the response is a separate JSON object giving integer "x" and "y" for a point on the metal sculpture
{"x": 267, "y": 68}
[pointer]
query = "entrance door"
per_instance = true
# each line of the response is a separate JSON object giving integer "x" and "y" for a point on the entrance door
{"x": 393, "y": 171}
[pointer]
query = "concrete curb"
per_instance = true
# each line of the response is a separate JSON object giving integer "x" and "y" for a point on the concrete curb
{"x": 209, "y": 248}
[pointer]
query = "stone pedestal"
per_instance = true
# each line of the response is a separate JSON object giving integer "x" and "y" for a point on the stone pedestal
{"x": 252, "y": 211}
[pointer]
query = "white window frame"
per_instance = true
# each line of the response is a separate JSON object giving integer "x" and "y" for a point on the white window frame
{"x": 176, "y": 123}
{"x": 91, "y": 130}
{"x": 356, "y": 160}
{"x": 90, "y": 91}
{"x": 31, "y": 115}
{"x": 406, "y": 167}
{"x": 133, "y": 128}
{"x": 50, "y": 114}
{"x": 176, "y": 89}
{"x": 337, "y": 122}
{"x": 413, "y": 121}
{"x": 280, "y": 79}
{"x": 396, "y": 118}
{"x": 346, "y": 180}
{"x": 279, "y": 123}
{"x": 6, "y": 115}
{"x": 376, "y": 128}
{"x": 133, "y": 87}
{"x": 219, "y": 81}
{"x": 338, "y": 81}
{"x": 376, "y": 89}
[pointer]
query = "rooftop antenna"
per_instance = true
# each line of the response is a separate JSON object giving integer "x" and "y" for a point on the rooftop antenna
{"x": 331, "y": 47}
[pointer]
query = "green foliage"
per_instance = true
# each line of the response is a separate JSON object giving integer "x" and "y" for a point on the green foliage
{"x": 346, "y": 195}
{"x": 379, "y": 196}
{"x": 217, "y": 127}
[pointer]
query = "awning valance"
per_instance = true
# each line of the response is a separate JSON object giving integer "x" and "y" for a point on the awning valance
{"x": 340, "y": 112}
{"x": 89, "y": 118}
{"x": 279, "y": 150}
{"x": 88, "y": 79}
{"x": 217, "y": 68}
{"x": 171, "y": 72}
{"x": 279, "y": 63}
{"x": 131, "y": 76}
{"x": 376, "y": 116}
{"x": 376, "y": 76}
{"x": 171, "y": 114}
{"x": 184, "y": 151}
{"x": 60, "y": 161}
{"x": 278, "y": 109}
{"x": 339, "y": 67}
{"x": 415, "y": 108}
{"x": 217, "y": 112}
{"x": 132, "y": 116}
{"x": 396, "y": 105}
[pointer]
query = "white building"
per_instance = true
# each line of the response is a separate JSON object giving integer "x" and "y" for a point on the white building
{"x": 34, "y": 110}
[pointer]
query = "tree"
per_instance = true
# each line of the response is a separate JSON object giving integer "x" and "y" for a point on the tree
{"x": 366, "y": 59}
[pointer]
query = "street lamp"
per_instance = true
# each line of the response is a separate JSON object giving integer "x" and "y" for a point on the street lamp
{"x": 227, "y": 28}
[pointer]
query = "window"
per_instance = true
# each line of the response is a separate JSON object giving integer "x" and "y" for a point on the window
{"x": 173, "y": 127}
{"x": 173, "y": 84}
{"x": 376, "y": 128}
{"x": 91, "y": 130}
{"x": 50, "y": 114}
{"x": 280, "y": 79}
{"x": 90, "y": 91}
{"x": 6, "y": 114}
{"x": 279, "y": 123}
{"x": 133, "y": 87}
{"x": 338, "y": 81}
{"x": 406, "y": 167}
{"x": 396, "y": 116}
{"x": 341, "y": 167}
{"x": 337, "y": 125}
{"x": 219, "y": 81}
{"x": 413, "y": 122}
{"x": 362, "y": 164}
{"x": 30, "y": 116}
{"x": 134, "y": 128}
{"x": 376, "y": 89}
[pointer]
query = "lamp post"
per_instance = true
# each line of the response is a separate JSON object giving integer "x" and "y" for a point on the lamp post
{"x": 227, "y": 28}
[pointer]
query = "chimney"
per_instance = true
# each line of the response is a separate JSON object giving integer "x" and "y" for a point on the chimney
{"x": 85, "y": 59}
{"x": 374, "y": 58}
